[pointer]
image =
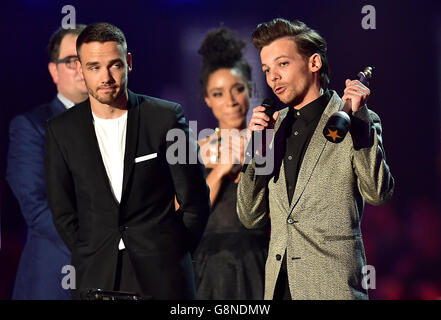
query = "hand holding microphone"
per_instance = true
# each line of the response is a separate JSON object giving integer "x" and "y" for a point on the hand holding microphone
{"x": 263, "y": 117}
{"x": 355, "y": 96}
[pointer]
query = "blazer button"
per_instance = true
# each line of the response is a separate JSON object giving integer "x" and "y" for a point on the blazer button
{"x": 122, "y": 228}
{"x": 290, "y": 221}
{"x": 278, "y": 257}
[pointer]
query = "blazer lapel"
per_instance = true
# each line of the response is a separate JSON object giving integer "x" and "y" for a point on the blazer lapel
{"x": 314, "y": 150}
{"x": 91, "y": 146}
{"x": 278, "y": 143}
{"x": 57, "y": 106}
{"x": 131, "y": 138}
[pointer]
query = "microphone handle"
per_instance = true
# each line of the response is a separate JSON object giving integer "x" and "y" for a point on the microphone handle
{"x": 251, "y": 150}
{"x": 348, "y": 104}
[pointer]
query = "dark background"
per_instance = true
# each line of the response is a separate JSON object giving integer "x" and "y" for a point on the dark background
{"x": 402, "y": 238}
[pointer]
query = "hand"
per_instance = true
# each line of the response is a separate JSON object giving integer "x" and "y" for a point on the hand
{"x": 260, "y": 120}
{"x": 357, "y": 93}
{"x": 230, "y": 156}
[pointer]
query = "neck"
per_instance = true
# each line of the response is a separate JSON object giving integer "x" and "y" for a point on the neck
{"x": 313, "y": 93}
{"x": 110, "y": 111}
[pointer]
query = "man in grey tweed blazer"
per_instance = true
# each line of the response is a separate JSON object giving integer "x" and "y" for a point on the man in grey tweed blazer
{"x": 315, "y": 195}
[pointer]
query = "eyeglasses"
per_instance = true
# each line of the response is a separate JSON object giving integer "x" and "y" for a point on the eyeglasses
{"x": 70, "y": 61}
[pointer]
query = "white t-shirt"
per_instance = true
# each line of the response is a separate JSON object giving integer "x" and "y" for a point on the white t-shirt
{"x": 111, "y": 136}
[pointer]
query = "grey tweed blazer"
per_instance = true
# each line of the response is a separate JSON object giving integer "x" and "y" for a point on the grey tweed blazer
{"x": 320, "y": 230}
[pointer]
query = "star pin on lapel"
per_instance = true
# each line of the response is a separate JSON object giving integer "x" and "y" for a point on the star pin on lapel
{"x": 333, "y": 134}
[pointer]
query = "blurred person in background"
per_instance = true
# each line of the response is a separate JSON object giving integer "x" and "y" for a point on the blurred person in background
{"x": 230, "y": 260}
{"x": 39, "y": 274}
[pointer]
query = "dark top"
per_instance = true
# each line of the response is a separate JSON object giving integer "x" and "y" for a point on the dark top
{"x": 300, "y": 128}
{"x": 223, "y": 217}
{"x": 230, "y": 260}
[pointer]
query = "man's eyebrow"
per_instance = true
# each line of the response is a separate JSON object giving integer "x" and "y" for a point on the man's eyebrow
{"x": 91, "y": 64}
{"x": 279, "y": 57}
{"x": 96, "y": 63}
{"x": 68, "y": 57}
{"x": 115, "y": 60}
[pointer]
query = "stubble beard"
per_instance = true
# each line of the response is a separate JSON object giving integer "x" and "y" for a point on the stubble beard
{"x": 296, "y": 98}
{"x": 106, "y": 99}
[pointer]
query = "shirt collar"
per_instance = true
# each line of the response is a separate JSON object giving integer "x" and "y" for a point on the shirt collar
{"x": 313, "y": 109}
{"x": 65, "y": 101}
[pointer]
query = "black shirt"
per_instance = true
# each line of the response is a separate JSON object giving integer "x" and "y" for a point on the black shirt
{"x": 300, "y": 128}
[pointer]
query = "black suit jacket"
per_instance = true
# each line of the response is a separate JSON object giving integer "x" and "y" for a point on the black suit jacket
{"x": 91, "y": 221}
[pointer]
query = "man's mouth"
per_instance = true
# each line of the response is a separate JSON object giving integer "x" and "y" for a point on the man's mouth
{"x": 107, "y": 88}
{"x": 279, "y": 90}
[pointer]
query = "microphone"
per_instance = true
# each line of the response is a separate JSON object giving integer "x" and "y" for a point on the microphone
{"x": 258, "y": 135}
{"x": 100, "y": 294}
{"x": 339, "y": 123}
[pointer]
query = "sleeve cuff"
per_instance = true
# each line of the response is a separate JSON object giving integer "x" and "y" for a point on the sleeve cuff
{"x": 361, "y": 129}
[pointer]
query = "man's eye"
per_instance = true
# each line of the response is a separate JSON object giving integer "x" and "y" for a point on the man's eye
{"x": 265, "y": 70}
{"x": 117, "y": 65}
{"x": 217, "y": 94}
{"x": 284, "y": 63}
{"x": 94, "y": 68}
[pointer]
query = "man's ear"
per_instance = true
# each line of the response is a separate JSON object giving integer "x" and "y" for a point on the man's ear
{"x": 315, "y": 62}
{"x": 52, "y": 67}
{"x": 129, "y": 61}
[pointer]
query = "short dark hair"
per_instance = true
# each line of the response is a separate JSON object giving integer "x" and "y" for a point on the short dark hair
{"x": 101, "y": 32}
{"x": 308, "y": 41}
{"x": 222, "y": 48}
{"x": 53, "y": 48}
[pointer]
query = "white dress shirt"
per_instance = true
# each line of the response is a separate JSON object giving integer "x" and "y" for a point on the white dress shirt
{"x": 67, "y": 103}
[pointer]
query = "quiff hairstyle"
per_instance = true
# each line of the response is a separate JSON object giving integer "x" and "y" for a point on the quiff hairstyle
{"x": 308, "y": 41}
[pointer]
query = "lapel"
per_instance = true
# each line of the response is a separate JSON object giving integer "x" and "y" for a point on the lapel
{"x": 314, "y": 150}
{"x": 92, "y": 149}
{"x": 278, "y": 143}
{"x": 131, "y": 138}
{"x": 56, "y": 107}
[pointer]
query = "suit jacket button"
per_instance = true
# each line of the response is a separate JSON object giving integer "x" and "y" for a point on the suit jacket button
{"x": 278, "y": 257}
{"x": 290, "y": 221}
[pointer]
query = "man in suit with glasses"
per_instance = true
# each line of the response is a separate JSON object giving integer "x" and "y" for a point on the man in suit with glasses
{"x": 39, "y": 274}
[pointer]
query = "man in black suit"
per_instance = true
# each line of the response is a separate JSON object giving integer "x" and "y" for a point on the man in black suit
{"x": 110, "y": 186}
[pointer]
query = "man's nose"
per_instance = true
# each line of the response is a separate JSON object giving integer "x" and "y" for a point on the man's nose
{"x": 274, "y": 75}
{"x": 107, "y": 77}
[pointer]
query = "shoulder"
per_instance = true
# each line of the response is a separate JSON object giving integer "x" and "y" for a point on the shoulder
{"x": 159, "y": 113}
{"x": 156, "y": 105}
{"x": 34, "y": 118}
{"x": 69, "y": 117}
